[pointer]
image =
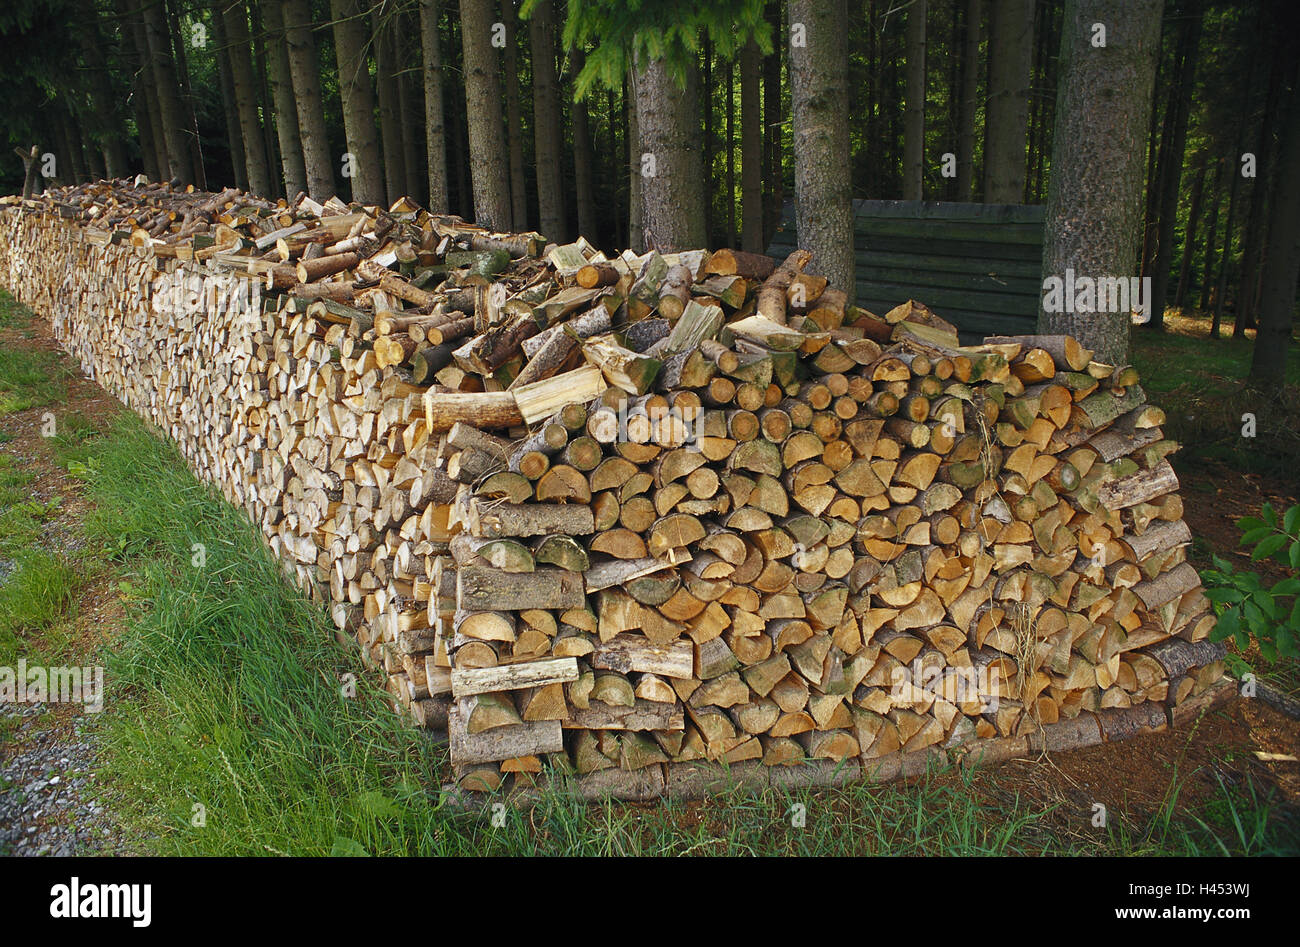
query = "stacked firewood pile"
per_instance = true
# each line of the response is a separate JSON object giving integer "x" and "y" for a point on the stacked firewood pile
{"x": 630, "y": 516}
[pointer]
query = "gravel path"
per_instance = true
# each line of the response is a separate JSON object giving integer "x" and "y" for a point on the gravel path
{"x": 51, "y": 802}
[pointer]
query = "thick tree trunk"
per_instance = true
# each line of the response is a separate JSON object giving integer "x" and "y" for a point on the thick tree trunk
{"x": 970, "y": 78}
{"x": 514, "y": 120}
{"x": 751, "y": 151}
{"x": 819, "y": 90}
{"x": 547, "y": 145}
{"x": 286, "y": 110}
{"x": 1163, "y": 261}
{"x": 1094, "y": 203}
{"x": 914, "y": 108}
{"x": 672, "y": 183}
{"x": 489, "y": 162}
{"x": 171, "y": 109}
{"x": 304, "y": 68}
{"x": 235, "y": 17}
{"x": 435, "y": 133}
{"x": 350, "y": 42}
{"x": 584, "y": 160}
{"x": 1277, "y": 290}
{"x": 390, "y": 122}
{"x": 1011, "y": 50}
{"x": 773, "y": 152}
{"x": 730, "y": 149}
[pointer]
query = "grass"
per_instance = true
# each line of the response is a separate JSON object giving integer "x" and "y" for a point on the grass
{"x": 227, "y": 731}
{"x": 1202, "y": 385}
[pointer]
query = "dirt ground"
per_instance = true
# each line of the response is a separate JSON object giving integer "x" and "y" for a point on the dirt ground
{"x": 1131, "y": 778}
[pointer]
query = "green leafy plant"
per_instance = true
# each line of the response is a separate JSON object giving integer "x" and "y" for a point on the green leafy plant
{"x": 1245, "y": 606}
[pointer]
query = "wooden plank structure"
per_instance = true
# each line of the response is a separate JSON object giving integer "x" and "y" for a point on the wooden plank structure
{"x": 977, "y": 265}
{"x": 632, "y": 518}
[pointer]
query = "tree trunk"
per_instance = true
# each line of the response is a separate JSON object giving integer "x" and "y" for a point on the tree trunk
{"x": 269, "y": 143}
{"x": 1209, "y": 284}
{"x": 141, "y": 93}
{"x": 1256, "y": 233}
{"x": 773, "y": 151}
{"x": 1189, "y": 235}
{"x": 970, "y": 79}
{"x": 635, "y": 205}
{"x": 187, "y": 96}
{"x": 514, "y": 120}
{"x": 710, "y": 143}
{"x": 101, "y": 88}
{"x": 409, "y": 106}
{"x": 234, "y": 136}
{"x": 672, "y": 183}
{"x": 751, "y": 151}
{"x": 1094, "y": 203}
{"x": 547, "y": 144}
{"x": 235, "y": 17}
{"x": 1011, "y": 50}
{"x": 170, "y": 109}
{"x": 584, "y": 160}
{"x": 286, "y": 111}
{"x": 822, "y": 169}
{"x": 435, "y": 134}
{"x": 304, "y": 68}
{"x": 489, "y": 162}
{"x": 914, "y": 108}
{"x": 1163, "y": 261}
{"x": 390, "y": 130}
{"x": 1277, "y": 290}
{"x": 350, "y": 41}
{"x": 730, "y": 149}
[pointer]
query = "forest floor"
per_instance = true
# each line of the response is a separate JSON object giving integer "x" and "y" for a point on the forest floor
{"x": 225, "y": 731}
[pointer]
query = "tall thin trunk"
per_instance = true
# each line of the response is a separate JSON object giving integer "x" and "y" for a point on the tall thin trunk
{"x": 390, "y": 132}
{"x": 1011, "y": 50}
{"x": 1163, "y": 261}
{"x": 773, "y": 153}
{"x": 823, "y": 190}
{"x": 751, "y": 150}
{"x": 1256, "y": 232}
{"x": 1189, "y": 235}
{"x": 234, "y": 134}
{"x": 350, "y": 42}
{"x": 635, "y": 204}
{"x": 435, "y": 134}
{"x": 489, "y": 162}
{"x": 1212, "y": 241}
{"x": 170, "y": 108}
{"x": 286, "y": 111}
{"x": 409, "y": 107}
{"x": 584, "y": 159}
{"x": 1156, "y": 147}
{"x": 304, "y": 69}
{"x": 1221, "y": 281}
{"x": 710, "y": 144}
{"x": 269, "y": 142}
{"x": 1277, "y": 290}
{"x": 108, "y": 119}
{"x": 146, "y": 86}
{"x": 970, "y": 77}
{"x": 514, "y": 118}
{"x": 672, "y": 187}
{"x": 730, "y": 150}
{"x": 914, "y": 109}
{"x": 187, "y": 96}
{"x": 241, "y": 72}
{"x": 547, "y": 144}
{"x": 1094, "y": 202}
